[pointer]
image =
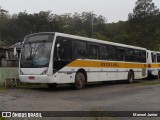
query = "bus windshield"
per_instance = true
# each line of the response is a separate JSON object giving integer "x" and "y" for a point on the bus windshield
{"x": 36, "y": 53}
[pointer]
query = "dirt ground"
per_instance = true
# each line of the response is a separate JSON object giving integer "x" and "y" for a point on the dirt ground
{"x": 116, "y": 96}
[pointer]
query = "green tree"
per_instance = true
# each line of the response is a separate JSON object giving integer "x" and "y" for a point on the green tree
{"x": 143, "y": 9}
{"x": 3, "y": 21}
{"x": 142, "y": 26}
{"x": 13, "y": 28}
{"x": 81, "y": 33}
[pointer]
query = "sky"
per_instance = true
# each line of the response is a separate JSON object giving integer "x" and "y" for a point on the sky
{"x": 112, "y": 10}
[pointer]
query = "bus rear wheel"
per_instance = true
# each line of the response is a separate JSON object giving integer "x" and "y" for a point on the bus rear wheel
{"x": 79, "y": 81}
{"x": 158, "y": 76}
{"x": 130, "y": 77}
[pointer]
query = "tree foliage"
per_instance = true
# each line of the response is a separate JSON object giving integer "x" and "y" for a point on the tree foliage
{"x": 143, "y": 9}
{"x": 19, "y": 25}
{"x": 141, "y": 29}
{"x": 143, "y": 24}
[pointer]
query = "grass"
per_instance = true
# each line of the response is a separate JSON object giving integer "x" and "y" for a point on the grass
{"x": 30, "y": 85}
{"x": 1, "y": 89}
{"x": 2, "y": 118}
{"x": 157, "y": 82}
{"x": 23, "y": 86}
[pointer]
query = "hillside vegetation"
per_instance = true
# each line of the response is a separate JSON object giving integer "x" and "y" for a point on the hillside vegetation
{"x": 141, "y": 29}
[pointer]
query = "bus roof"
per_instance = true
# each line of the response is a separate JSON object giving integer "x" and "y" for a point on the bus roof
{"x": 155, "y": 51}
{"x": 90, "y": 39}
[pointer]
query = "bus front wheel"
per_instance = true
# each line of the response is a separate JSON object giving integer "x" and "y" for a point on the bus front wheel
{"x": 79, "y": 81}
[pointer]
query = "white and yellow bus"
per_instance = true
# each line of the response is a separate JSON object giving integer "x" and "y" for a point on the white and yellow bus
{"x": 57, "y": 58}
{"x": 153, "y": 61}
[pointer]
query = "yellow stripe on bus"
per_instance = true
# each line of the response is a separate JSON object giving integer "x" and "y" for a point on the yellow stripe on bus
{"x": 87, "y": 63}
{"x": 154, "y": 65}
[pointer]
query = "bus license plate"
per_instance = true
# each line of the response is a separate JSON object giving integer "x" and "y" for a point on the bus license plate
{"x": 31, "y": 78}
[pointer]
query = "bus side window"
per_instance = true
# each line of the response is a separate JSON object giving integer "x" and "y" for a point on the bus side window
{"x": 137, "y": 56}
{"x": 158, "y": 58}
{"x": 129, "y": 55}
{"x": 143, "y": 56}
{"x": 93, "y": 51}
{"x": 120, "y": 52}
{"x": 79, "y": 50}
{"x": 112, "y": 52}
{"x": 64, "y": 50}
{"x": 153, "y": 57}
{"x": 103, "y": 52}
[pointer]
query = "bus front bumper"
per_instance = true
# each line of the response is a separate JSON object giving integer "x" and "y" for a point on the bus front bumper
{"x": 35, "y": 79}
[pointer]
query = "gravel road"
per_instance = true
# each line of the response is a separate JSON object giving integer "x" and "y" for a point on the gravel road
{"x": 94, "y": 97}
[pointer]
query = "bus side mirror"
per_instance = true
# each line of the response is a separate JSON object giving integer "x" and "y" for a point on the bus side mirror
{"x": 58, "y": 45}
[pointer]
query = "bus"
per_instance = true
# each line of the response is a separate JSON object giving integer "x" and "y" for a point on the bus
{"x": 58, "y": 58}
{"x": 153, "y": 61}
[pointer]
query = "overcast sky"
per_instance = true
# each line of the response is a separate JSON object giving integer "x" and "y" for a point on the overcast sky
{"x": 112, "y": 10}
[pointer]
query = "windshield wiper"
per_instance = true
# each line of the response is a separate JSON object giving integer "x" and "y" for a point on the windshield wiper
{"x": 34, "y": 49}
{"x": 30, "y": 51}
{"x": 38, "y": 47}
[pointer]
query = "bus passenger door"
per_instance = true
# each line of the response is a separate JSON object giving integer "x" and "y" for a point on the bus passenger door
{"x": 62, "y": 57}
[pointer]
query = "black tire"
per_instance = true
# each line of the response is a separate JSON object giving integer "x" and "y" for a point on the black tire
{"x": 158, "y": 75}
{"x": 52, "y": 85}
{"x": 79, "y": 81}
{"x": 130, "y": 77}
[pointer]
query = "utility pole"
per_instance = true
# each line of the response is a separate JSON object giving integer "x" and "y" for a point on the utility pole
{"x": 92, "y": 23}
{"x": 0, "y": 39}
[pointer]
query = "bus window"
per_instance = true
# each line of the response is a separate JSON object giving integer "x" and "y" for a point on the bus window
{"x": 64, "y": 51}
{"x": 143, "y": 56}
{"x": 93, "y": 51}
{"x": 79, "y": 49}
{"x": 129, "y": 55}
{"x": 137, "y": 56}
{"x": 103, "y": 52}
{"x": 158, "y": 57}
{"x": 120, "y": 52}
{"x": 153, "y": 57}
{"x": 112, "y": 52}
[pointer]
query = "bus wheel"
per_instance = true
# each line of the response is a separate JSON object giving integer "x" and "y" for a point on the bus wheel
{"x": 130, "y": 77}
{"x": 52, "y": 85}
{"x": 79, "y": 81}
{"x": 158, "y": 74}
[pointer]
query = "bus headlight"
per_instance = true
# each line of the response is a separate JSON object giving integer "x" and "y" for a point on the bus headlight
{"x": 44, "y": 72}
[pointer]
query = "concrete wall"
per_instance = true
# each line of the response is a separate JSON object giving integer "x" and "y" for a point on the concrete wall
{"x": 8, "y": 72}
